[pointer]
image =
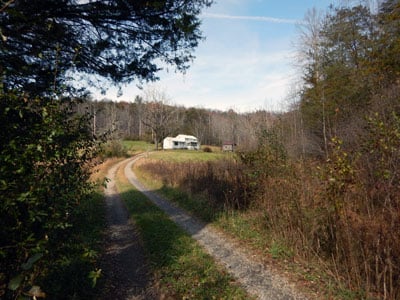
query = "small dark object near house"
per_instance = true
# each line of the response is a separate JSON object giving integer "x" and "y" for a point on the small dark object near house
{"x": 228, "y": 146}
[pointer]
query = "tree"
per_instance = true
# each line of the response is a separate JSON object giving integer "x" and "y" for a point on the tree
{"x": 386, "y": 54}
{"x": 196, "y": 122}
{"x": 46, "y": 150}
{"x": 139, "y": 111}
{"x": 119, "y": 40}
{"x": 338, "y": 75}
{"x": 310, "y": 57}
{"x": 159, "y": 116}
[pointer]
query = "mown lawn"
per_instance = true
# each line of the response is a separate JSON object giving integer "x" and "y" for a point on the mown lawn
{"x": 187, "y": 155}
{"x": 134, "y": 147}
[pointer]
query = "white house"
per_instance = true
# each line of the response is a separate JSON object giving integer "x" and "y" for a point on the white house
{"x": 181, "y": 141}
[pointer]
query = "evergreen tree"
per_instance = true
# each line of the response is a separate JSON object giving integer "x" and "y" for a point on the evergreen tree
{"x": 45, "y": 149}
{"x": 119, "y": 40}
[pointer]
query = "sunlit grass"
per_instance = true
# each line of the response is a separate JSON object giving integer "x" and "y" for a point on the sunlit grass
{"x": 188, "y": 155}
{"x": 134, "y": 147}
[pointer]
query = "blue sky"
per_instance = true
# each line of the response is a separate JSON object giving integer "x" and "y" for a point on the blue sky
{"x": 246, "y": 61}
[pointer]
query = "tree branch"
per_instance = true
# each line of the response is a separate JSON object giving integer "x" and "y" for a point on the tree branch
{"x": 7, "y": 4}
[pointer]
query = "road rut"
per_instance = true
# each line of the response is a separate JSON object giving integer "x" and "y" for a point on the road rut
{"x": 124, "y": 266}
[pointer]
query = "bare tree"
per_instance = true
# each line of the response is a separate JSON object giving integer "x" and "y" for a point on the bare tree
{"x": 139, "y": 114}
{"x": 159, "y": 115}
{"x": 309, "y": 60}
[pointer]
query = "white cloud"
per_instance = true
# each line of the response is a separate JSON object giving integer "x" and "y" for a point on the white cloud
{"x": 251, "y": 18}
{"x": 222, "y": 81}
{"x": 243, "y": 79}
{"x": 240, "y": 65}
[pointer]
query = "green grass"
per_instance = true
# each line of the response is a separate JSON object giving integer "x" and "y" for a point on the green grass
{"x": 188, "y": 155}
{"x": 197, "y": 204}
{"x": 245, "y": 226}
{"x": 134, "y": 147}
{"x": 184, "y": 269}
{"x": 279, "y": 250}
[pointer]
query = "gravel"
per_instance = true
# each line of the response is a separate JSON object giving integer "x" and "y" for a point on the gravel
{"x": 259, "y": 280}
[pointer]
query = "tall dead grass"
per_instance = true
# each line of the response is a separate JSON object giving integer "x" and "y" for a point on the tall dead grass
{"x": 344, "y": 212}
{"x": 221, "y": 182}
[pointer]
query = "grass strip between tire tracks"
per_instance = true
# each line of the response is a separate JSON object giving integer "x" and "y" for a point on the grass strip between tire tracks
{"x": 183, "y": 269}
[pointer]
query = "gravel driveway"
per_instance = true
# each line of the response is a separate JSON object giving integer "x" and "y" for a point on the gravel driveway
{"x": 255, "y": 277}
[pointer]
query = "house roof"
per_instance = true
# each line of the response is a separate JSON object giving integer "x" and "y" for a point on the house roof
{"x": 181, "y": 138}
{"x": 184, "y": 136}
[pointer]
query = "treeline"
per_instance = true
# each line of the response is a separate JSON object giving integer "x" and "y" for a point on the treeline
{"x": 330, "y": 185}
{"x": 350, "y": 66}
{"x": 155, "y": 119}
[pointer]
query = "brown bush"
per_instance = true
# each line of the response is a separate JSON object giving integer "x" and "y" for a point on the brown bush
{"x": 207, "y": 149}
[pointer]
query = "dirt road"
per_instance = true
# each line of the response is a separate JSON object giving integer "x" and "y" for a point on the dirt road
{"x": 255, "y": 277}
{"x": 125, "y": 270}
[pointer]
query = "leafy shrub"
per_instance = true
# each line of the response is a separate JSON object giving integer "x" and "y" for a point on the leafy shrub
{"x": 114, "y": 148}
{"x": 45, "y": 153}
